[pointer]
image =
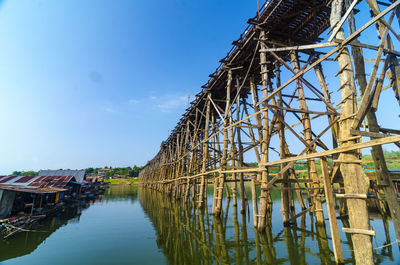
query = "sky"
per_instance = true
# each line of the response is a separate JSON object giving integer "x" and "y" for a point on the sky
{"x": 93, "y": 83}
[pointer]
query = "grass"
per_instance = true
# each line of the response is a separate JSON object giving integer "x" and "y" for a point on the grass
{"x": 130, "y": 181}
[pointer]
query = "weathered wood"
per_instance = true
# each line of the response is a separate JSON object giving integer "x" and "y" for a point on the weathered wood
{"x": 352, "y": 196}
{"x": 359, "y": 231}
{"x": 262, "y": 214}
{"x": 330, "y": 205}
{"x": 353, "y": 175}
{"x": 194, "y": 156}
{"x": 243, "y": 196}
{"x": 300, "y": 47}
{"x": 338, "y": 25}
{"x": 367, "y": 95}
{"x": 343, "y": 43}
{"x": 205, "y": 154}
{"x": 383, "y": 174}
{"x": 342, "y": 149}
{"x": 369, "y": 134}
{"x": 305, "y": 118}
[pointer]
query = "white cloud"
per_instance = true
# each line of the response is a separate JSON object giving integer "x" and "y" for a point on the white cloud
{"x": 133, "y": 101}
{"x": 109, "y": 109}
{"x": 173, "y": 102}
{"x": 153, "y": 97}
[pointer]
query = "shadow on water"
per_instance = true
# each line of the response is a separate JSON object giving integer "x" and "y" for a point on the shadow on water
{"x": 190, "y": 236}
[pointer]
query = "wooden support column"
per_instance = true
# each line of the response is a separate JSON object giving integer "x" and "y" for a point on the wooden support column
{"x": 311, "y": 168}
{"x": 330, "y": 205}
{"x": 232, "y": 155}
{"x": 285, "y": 198}
{"x": 253, "y": 181}
{"x": 383, "y": 174}
{"x": 175, "y": 184}
{"x": 243, "y": 196}
{"x": 188, "y": 169}
{"x": 221, "y": 178}
{"x": 204, "y": 180}
{"x": 355, "y": 181}
{"x": 392, "y": 59}
{"x": 216, "y": 155}
{"x": 331, "y": 117}
{"x": 264, "y": 147}
{"x": 195, "y": 157}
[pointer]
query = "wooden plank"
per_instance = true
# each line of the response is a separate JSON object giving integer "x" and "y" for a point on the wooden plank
{"x": 369, "y": 134}
{"x": 327, "y": 55}
{"x": 358, "y": 231}
{"x": 368, "y": 96}
{"x": 330, "y": 205}
{"x": 291, "y": 219}
{"x": 351, "y": 196}
{"x": 300, "y": 47}
{"x": 375, "y": 142}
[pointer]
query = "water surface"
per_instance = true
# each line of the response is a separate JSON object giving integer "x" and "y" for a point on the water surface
{"x": 130, "y": 225}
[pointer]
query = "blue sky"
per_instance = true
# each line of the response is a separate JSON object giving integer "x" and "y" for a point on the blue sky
{"x": 96, "y": 83}
{"x": 93, "y": 83}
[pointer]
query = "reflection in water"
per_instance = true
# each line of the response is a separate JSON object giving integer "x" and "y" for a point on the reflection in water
{"x": 187, "y": 235}
{"x": 131, "y": 225}
{"x": 121, "y": 193}
{"x": 23, "y": 243}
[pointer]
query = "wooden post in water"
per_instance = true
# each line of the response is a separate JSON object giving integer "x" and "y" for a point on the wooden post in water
{"x": 330, "y": 205}
{"x": 204, "y": 180}
{"x": 383, "y": 174}
{"x": 243, "y": 196}
{"x": 217, "y": 207}
{"x": 354, "y": 178}
{"x": 253, "y": 90}
{"x": 264, "y": 147}
{"x": 311, "y": 167}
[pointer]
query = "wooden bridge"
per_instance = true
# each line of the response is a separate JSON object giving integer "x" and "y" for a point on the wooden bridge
{"x": 269, "y": 101}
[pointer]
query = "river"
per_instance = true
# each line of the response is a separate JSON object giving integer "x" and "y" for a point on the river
{"x": 130, "y": 225}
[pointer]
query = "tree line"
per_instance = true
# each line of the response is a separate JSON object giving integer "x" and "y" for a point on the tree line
{"x": 132, "y": 172}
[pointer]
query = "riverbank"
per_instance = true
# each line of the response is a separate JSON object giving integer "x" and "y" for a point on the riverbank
{"x": 130, "y": 181}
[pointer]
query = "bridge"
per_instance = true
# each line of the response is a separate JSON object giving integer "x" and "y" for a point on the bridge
{"x": 291, "y": 107}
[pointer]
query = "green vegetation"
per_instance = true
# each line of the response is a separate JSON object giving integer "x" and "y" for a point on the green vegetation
{"x": 392, "y": 159}
{"x": 131, "y": 172}
{"x": 130, "y": 181}
{"x": 25, "y": 173}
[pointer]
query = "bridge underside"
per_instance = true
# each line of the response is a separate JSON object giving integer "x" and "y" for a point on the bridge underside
{"x": 291, "y": 107}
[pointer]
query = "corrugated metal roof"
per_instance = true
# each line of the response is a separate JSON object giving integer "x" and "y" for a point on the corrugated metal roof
{"x": 57, "y": 182}
{"x": 35, "y": 184}
{"x": 17, "y": 180}
{"x": 78, "y": 174}
{"x": 29, "y": 189}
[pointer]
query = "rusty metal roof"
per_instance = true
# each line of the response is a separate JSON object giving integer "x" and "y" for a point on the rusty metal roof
{"x": 35, "y": 184}
{"x": 51, "y": 181}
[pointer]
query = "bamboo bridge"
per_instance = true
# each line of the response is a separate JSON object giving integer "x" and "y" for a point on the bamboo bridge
{"x": 269, "y": 102}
